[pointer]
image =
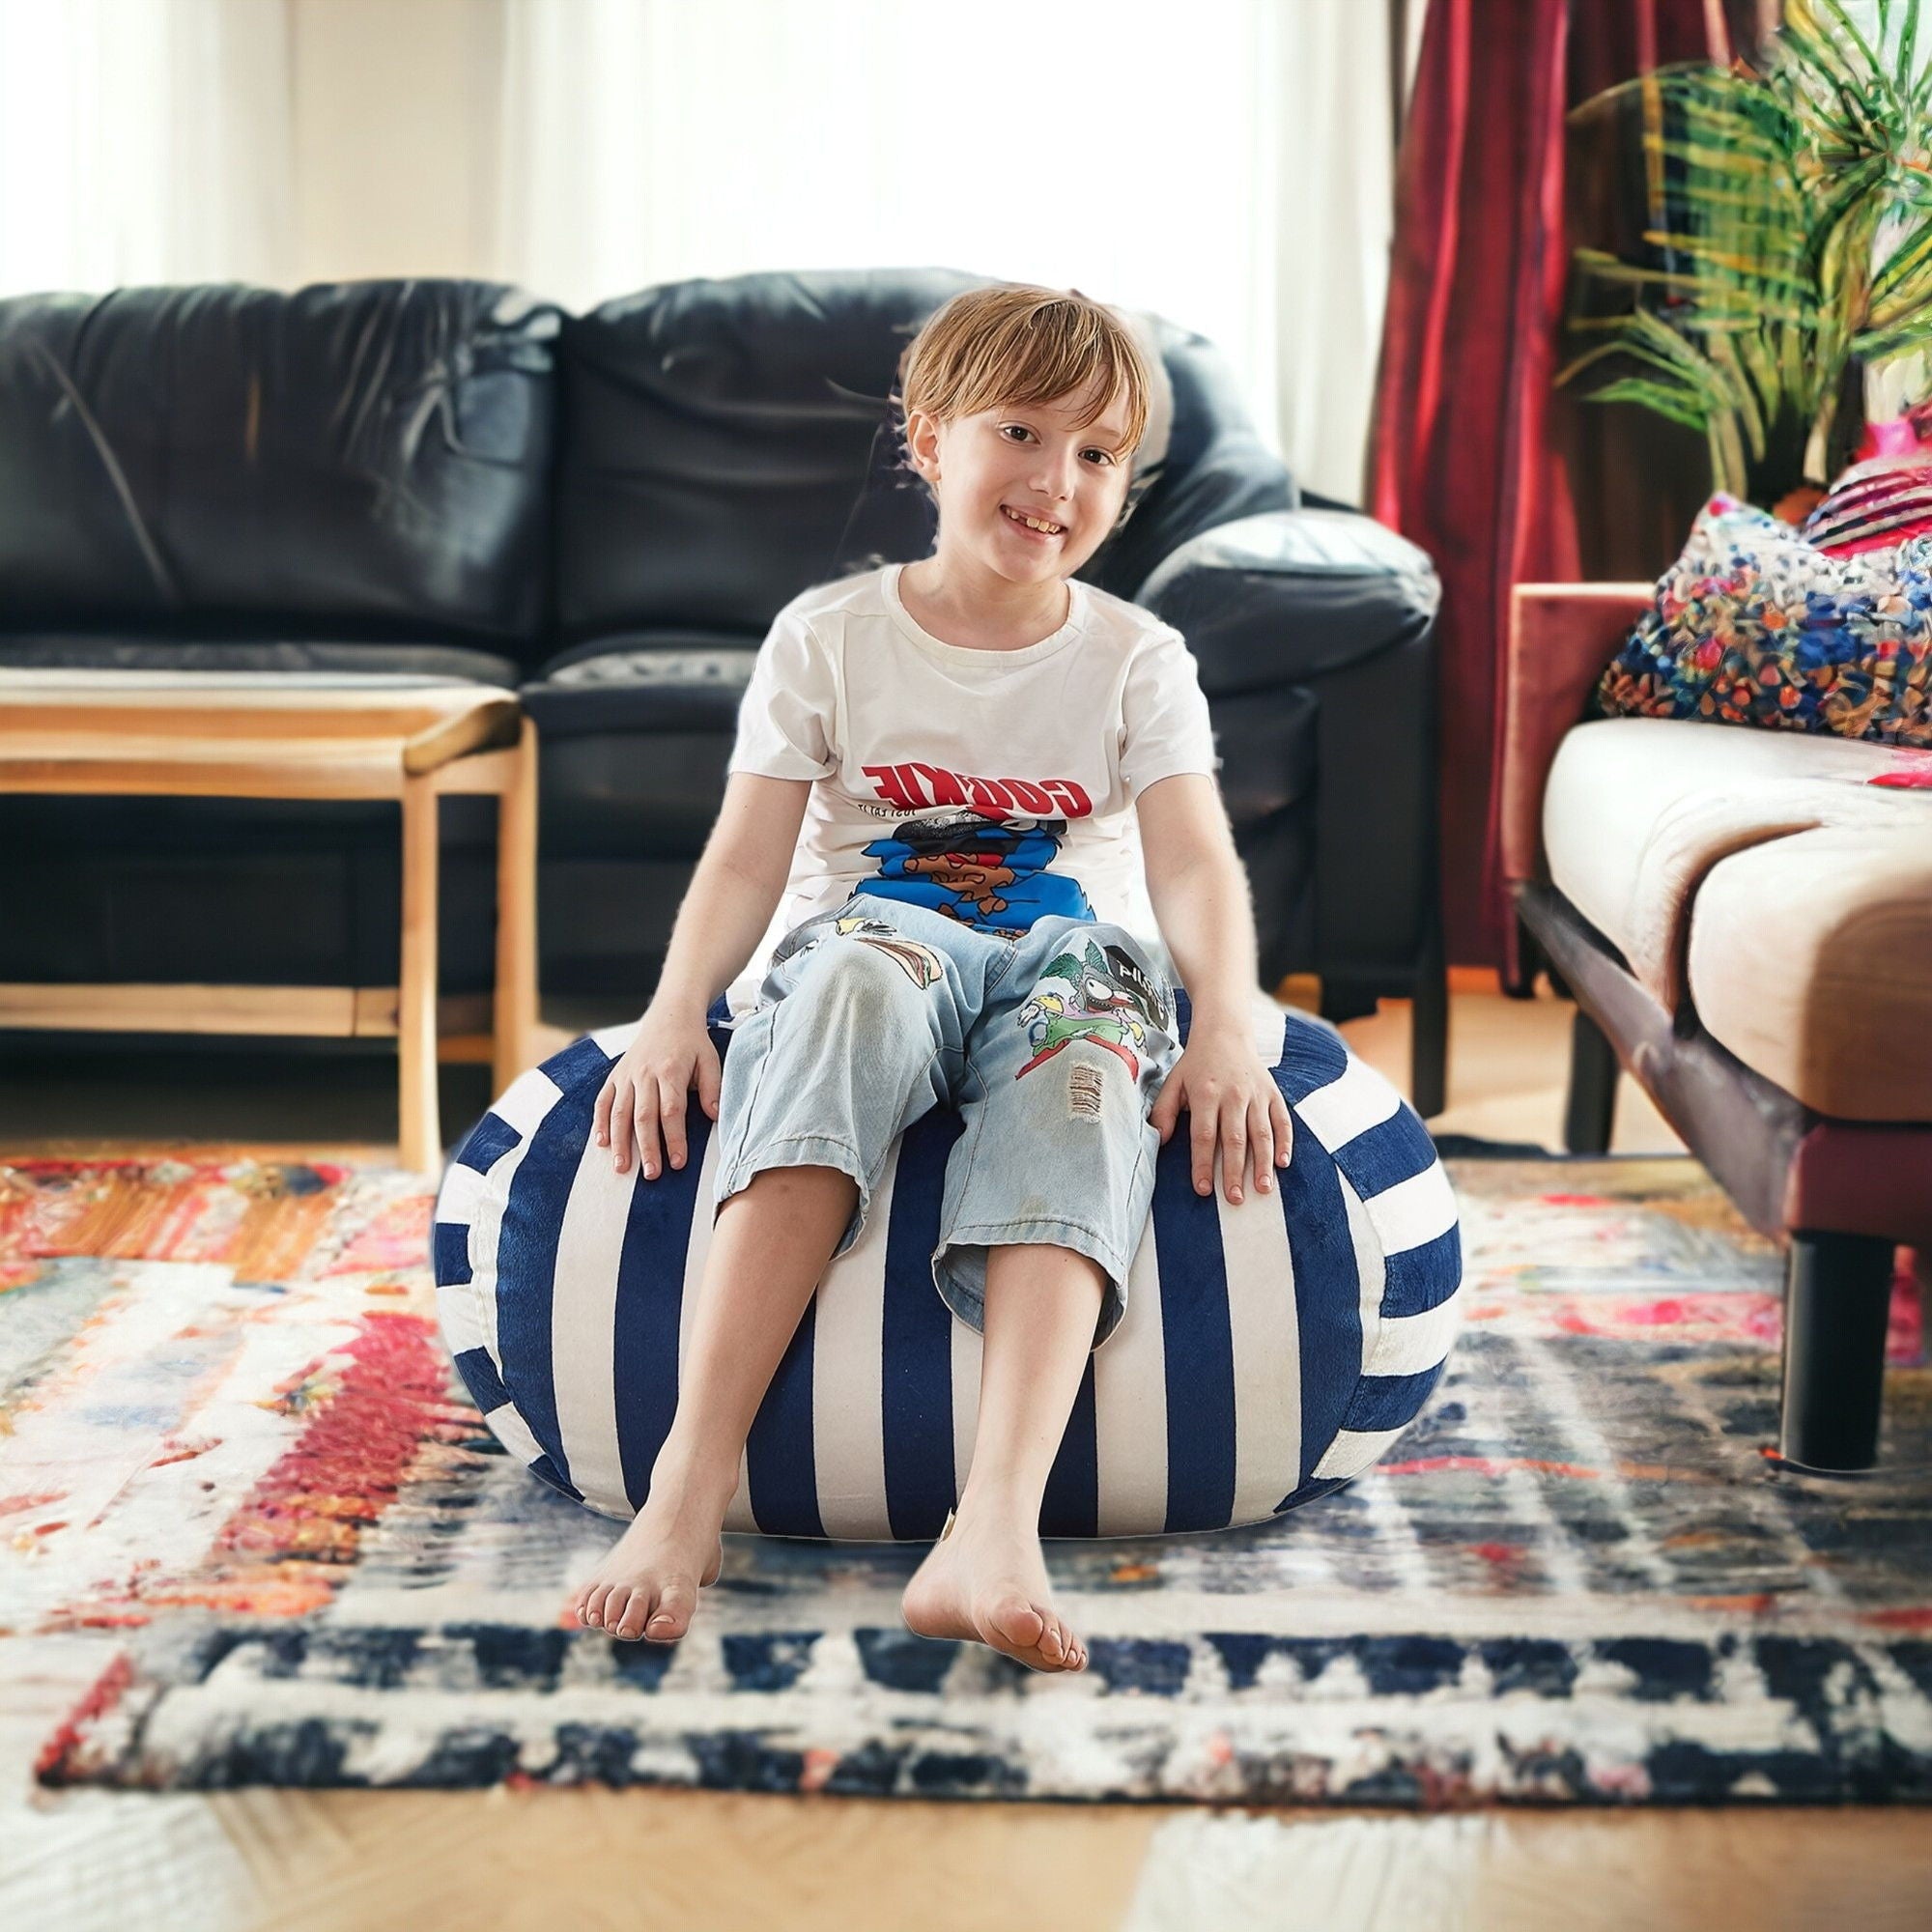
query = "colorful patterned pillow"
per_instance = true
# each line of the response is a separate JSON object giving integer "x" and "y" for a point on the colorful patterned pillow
{"x": 1875, "y": 505}
{"x": 1755, "y": 625}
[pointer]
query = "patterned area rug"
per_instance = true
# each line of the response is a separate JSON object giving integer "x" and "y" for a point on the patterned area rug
{"x": 233, "y": 1449}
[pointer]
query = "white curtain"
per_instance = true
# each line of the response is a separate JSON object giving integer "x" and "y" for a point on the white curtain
{"x": 143, "y": 141}
{"x": 1226, "y": 164}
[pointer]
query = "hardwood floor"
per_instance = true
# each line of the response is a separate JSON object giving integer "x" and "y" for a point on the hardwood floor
{"x": 300, "y": 1861}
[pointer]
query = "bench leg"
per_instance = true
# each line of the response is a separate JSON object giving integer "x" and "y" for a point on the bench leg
{"x": 1837, "y": 1298}
{"x": 1590, "y": 1110}
{"x": 515, "y": 1015}
{"x": 1429, "y": 1023}
{"x": 419, "y": 1136}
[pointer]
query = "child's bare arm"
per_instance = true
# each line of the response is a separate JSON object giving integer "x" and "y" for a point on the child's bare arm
{"x": 723, "y": 914}
{"x": 734, "y": 890}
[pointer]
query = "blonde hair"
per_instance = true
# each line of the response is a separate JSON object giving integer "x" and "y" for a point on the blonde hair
{"x": 1018, "y": 343}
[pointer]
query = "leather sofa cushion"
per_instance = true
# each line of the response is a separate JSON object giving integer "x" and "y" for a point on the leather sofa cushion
{"x": 443, "y": 664}
{"x": 1761, "y": 877}
{"x": 724, "y": 442}
{"x": 634, "y": 741}
{"x": 353, "y": 459}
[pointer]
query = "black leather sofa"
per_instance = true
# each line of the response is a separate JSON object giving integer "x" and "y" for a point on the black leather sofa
{"x": 455, "y": 478}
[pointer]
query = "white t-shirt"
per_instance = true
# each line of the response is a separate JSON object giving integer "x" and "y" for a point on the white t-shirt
{"x": 996, "y": 785}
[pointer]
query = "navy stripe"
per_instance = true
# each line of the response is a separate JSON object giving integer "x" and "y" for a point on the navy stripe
{"x": 779, "y": 1454}
{"x": 449, "y": 1250}
{"x": 1386, "y": 1154}
{"x": 544, "y": 1471}
{"x": 1389, "y": 1402}
{"x": 1327, "y": 1293}
{"x": 1419, "y": 1279}
{"x": 480, "y": 1378}
{"x": 650, "y": 1301}
{"x": 526, "y": 1257}
{"x": 1071, "y": 1505}
{"x": 1312, "y": 1058}
{"x": 488, "y": 1140}
{"x": 1198, "y": 1340}
{"x": 1322, "y": 1486}
{"x": 577, "y": 1061}
{"x": 916, "y": 1372}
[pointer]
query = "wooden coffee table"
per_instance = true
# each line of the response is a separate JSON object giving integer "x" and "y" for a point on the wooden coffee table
{"x": 297, "y": 735}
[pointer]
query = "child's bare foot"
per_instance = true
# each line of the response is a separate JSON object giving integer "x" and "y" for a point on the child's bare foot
{"x": 984, "y": 1580}
{"x": 648, "y": 1586}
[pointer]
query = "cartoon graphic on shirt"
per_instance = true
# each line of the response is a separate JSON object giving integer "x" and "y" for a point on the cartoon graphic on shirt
{"x": 1110, "y": 1001}
{"x": 985, "y": 870}
{"x": 920, "y": 961}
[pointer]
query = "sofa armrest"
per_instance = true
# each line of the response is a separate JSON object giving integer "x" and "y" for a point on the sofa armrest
{"x": 1332, "y": 603}
{"x": 1291, "y": 594}
{"x": 1561, "y": 635}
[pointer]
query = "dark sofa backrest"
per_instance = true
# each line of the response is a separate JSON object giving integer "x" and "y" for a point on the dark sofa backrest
{"x": 457, "y": 461}
{"x": 360, "y": 460}
{"x": 723, "y": 445}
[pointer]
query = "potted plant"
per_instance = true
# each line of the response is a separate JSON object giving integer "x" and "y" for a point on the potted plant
{"x": 1785, "y": 289}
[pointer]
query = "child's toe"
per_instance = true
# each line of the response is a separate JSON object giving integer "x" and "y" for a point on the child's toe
{"x": 671, "y": 1617}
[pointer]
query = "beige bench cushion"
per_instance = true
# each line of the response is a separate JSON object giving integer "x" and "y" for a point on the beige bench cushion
{"x": 1757, "y": 876}
{"x": 1812, "y": 959}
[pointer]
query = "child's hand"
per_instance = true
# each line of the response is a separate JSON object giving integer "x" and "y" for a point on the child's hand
{"x": 1232, "y": 1098}
{"x": 645, "y": 1092}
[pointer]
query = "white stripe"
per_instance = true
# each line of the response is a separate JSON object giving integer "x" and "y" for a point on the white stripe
{"x": 613, "y": 1039}
{"x": 1267, "y": 1339}
{"x": 513, "y": 1433}
{"x": 1411, "y": 1345}
{"x": 1359, "y": 1099}
{"x": 459, "y": 1317}
{"x": 967, "y": 1344}
{"x": 459, "y": 1309}
{"x": 1414, "y": 1212}
{"x": 456, "y": 1200}
{"x": 583, "y": 1323}
{"x": 521, "y": 1105}
{"x": 1130, "y": 1405}
{"x": 848, "y": 1345}
{"x": 1354, "y": 1450}
{"x": 1371, "y": 1272}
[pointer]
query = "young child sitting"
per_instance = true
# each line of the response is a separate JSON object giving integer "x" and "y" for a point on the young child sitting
{"x": 927, "y": 853}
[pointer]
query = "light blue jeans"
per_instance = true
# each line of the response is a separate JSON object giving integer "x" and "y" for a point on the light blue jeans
{"x": 1051, "y": 1041}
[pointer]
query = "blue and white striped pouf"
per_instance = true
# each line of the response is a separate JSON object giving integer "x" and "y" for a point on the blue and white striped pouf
{"x": 1270, "y": 1350}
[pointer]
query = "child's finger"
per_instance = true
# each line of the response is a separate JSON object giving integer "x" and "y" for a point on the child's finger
{"x": 1202, "y": 1141}
{"x": 645, "y": 1122}
{"x": 1234, "y": 1147}
{"x": 1261, "y": 1144}
{"x": 620, "y": 1125}
{"x": 670, "y": 1115}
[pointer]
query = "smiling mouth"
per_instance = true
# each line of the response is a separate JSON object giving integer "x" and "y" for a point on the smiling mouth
{"x": 1020, "y": 523}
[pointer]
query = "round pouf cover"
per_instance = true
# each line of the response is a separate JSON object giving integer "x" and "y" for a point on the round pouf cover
{"x": 1270, "y": 1349}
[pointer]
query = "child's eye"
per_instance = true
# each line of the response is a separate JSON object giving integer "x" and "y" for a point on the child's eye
{"x": 1024, "y": 431}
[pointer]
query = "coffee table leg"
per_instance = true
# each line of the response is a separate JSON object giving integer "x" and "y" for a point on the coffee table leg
{"x": 516, "y": 1003}
{"x": 421, "y": 1137}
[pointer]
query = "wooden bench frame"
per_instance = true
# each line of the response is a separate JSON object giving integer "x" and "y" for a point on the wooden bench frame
{"x": 271, "y": 735}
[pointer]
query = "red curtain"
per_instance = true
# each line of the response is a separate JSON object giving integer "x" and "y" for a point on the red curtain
{"x": 1461, "y": 456}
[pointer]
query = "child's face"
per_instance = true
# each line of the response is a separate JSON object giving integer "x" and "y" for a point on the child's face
{"x": 1027, "y": 457}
